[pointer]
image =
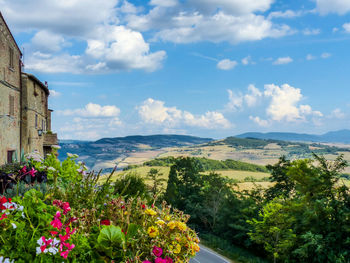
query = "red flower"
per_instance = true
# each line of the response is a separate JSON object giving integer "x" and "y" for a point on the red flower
{"x": 157, "y": 251}
{"x": 53, "y": 233}
{"x": 143, "y": 206}
{"x": 168, "y": 260}
{"x": 64, "y": 254}
{"x": 105, "y": 222}
{"x": 3, "y": 216}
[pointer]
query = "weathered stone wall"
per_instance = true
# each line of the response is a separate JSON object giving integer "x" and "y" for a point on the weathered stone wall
{"x": 9, "y": 86}
{"x": 34, "y": 115}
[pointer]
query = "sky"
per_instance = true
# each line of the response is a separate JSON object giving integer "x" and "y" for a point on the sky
{"x": 197, "y": 67}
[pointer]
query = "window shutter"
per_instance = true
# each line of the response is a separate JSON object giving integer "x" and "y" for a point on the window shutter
{"x": 11, "y": 105}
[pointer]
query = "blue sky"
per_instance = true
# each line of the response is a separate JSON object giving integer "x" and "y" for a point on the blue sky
{"x": 199, "y": 67}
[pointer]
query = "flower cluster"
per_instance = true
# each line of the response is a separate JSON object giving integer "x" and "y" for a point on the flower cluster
{"x": 60, "y": 235}
{"x": 6, "y": 206}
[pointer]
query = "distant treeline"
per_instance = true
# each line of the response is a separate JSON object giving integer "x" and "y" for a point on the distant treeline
{"x": 210, "y": 165}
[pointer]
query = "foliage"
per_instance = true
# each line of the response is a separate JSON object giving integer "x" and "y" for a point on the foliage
{"x": 157, "y": 182}
{"x": 206, "y": 164}
{"x": 310, "y": 222}
{"x": 94, "y": 222}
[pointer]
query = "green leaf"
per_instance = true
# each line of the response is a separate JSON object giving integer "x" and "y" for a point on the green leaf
{"x": 110, "y": 236}
{"x": 132, "y": 231}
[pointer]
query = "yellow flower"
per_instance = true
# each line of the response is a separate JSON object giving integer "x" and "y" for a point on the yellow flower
{"x": 177, "y": 249}
{"x": 172, "y": 225}
{"x": 152, "y": 231}
{"x": 181, "y": 226}
{"x": 195, "y": 247}
{"x": 160, "y": 222}
{"x": 150, "y": 212}
{"x": 125, "y": 213}
{"x": 167, "y": 218}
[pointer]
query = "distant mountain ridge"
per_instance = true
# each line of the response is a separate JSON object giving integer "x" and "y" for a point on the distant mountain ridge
{"x": 341, "y": 136}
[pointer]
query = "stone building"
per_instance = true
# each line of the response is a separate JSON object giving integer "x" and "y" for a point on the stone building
{"x": 10, "y": 95}
{"x": 25, "y": 120}
{"x": 36, "y": 134}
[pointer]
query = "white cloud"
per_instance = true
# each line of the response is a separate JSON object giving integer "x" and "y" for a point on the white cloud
{"x": 54, "y": 93}
{"x": 326, "y": 55}
{"x": 310, "y": 57}
{"x": 252, "y": 96}
{"x": 111, "y": 47}
{"x": 235, "y": 101}
{"x": 210, "y": 120}
{"x": 94, "y": 111}
{"x": 226, "y": 64}
{"x": 49, "y": 63}
{"x": 340, "y": 7}
{"x": 164, "y": 3}
{"x": 260, "y": 122}
{"x": 46, "y": 41}
{"x": 337, "y": 113}
{"x": 235, "y": 7}
{"x": 283, "y": 60}
{"x": 238, "y": 100}
{"x": 346, "y": 27}
{"x": 119, "y": 48}
{"x": 284, "y": 104}
{"x": 221, "y": 27}
{"x": 247, "y": 60}
{"x": 155, "y": 112}
{"x": 285, "y": 14}
{"x": 311, "y": 31}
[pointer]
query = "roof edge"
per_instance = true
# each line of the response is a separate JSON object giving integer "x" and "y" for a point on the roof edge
{"x": 36, "y": 80}
{"x": 14, "y": 40}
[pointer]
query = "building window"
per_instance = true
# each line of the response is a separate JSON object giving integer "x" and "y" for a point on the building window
{"x": 11, "y": 62}
{"x": 11, "y": 105}
{"x": 10, "y": 156}
{"x": 43, "y": 126}
{"x": 36, "y": 121}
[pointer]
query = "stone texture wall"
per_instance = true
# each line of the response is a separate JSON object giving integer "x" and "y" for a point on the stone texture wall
{"x": 9, "y": 91}
{"x": 34, "y": 115}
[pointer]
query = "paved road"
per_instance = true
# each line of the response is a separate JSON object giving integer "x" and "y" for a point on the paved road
{"x": 208, "y": 256}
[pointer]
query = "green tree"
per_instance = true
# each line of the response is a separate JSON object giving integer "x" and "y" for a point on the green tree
{"x": 157, "y": 181}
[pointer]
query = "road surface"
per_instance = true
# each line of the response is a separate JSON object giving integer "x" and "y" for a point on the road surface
{"x": 208, "y": 256}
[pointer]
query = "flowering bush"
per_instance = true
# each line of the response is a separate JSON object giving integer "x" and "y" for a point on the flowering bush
{"x": 80, "y": 220}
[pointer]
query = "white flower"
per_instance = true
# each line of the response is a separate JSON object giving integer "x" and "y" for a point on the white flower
{"x": 38, "y": 250}
{"x": 14, "y": 225}
{"x": 57, "y": 147}
{"x": 55, "y": 242}
{"x": 51, "y": 169}
{"x": 70, "y": 155}
{"x": 6, "y": 260}
{"x": 40, "y": 242}
{"x": 20, "y": 208}
{"x": 23, "y": 215}
{"x": 53, "y": 250}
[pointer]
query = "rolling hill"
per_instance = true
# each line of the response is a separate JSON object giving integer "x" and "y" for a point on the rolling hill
{"x": 341, "y": 136}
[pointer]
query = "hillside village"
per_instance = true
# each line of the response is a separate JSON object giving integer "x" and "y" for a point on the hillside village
{"x": 25, "y": 119}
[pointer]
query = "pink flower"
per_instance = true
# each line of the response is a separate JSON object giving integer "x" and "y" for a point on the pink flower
{"x": 168, "y": 260}
{"x": 23, "y": 170}
{"x": 32, "y": 172}
{"x": 46, "y": 243}
{"x": 146, "y": 261}
{"x": 56, "y": 223}
{"x": 58, "y": 215}
{"x": 64, "y": 254}
{"x": 160, "y": 260}
{"x": 157, "y": 251}
{"x": 66, "y": 208}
